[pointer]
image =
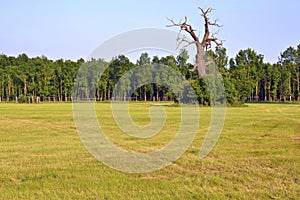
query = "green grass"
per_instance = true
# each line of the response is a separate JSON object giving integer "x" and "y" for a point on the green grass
{"x": 256, "y": 157}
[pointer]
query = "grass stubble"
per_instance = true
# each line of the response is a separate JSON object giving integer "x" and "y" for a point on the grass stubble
{"x": 256, "y": 157}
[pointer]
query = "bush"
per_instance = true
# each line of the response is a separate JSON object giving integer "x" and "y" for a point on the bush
{"x": 22, "y": 99}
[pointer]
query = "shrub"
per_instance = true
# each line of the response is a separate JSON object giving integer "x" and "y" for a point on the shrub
{"x": 22, "y": 99}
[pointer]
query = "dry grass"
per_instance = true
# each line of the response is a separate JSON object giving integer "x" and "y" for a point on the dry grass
{"x": 257, "y": 156}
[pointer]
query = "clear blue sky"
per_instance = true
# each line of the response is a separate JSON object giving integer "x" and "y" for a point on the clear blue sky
{"x": 72, "y": 29}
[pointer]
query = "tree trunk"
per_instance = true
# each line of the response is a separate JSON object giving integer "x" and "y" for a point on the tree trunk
{"x": 145, "y": 94}
{"x": 265, "y": 91}
{"x": 157, "y": 93}
{"x": 104, "y": 94}
{"x": 108, "y": 93}
{"x": 25, "y": 88}
{"x": 200, "y": 60}
{"x": 61, "y": 90}
{"x": 298, "y": 86}
{"x": 256, "y": 92}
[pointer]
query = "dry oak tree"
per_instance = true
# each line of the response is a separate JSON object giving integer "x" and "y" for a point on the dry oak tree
{"x": 201, "y": 45}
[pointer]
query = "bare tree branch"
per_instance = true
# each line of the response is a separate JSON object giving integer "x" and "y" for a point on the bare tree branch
{"x": 173, "y": 23}
{"x": 183, "y": 39}
{"x": 186, "y": 27}
{"x": 215, "y": 23}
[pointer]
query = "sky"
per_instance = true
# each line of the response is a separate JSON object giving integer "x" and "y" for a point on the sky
{"x": 72, "y": 29}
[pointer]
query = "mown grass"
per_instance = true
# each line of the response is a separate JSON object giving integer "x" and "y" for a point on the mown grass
{"x": 256, "y": 157}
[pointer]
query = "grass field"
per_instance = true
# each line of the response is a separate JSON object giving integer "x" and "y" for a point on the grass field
{"x": 256, "y": 157}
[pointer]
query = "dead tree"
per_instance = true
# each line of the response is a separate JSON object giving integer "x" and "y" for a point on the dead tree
{"x": 201, "y": 45}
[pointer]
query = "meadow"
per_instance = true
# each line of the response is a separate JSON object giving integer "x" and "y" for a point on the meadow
{"x": 256, "y": 157}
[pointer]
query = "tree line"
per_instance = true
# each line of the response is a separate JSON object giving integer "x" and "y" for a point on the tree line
{"x": 246, "y": 77}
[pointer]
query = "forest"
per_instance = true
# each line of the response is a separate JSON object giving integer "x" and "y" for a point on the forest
{"x": 247, "y": 78}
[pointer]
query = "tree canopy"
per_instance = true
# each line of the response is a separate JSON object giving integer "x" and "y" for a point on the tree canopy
{"x": 246, "y": 77}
